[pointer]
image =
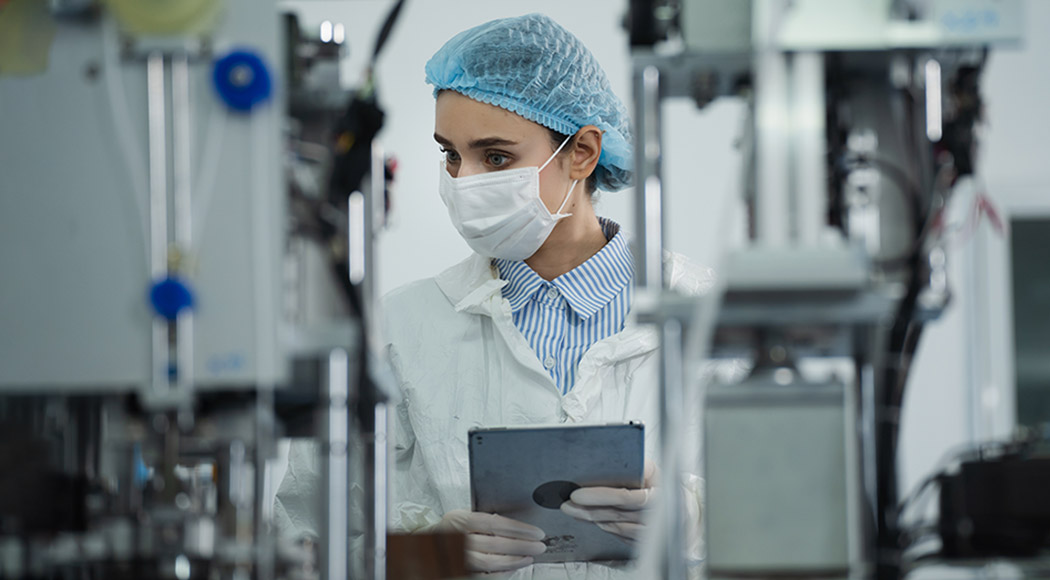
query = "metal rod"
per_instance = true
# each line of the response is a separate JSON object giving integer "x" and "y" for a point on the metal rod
{"x": 772, "y": 167}
{"x": 182, "y": 146}
{"x": 264, "y": 447}
{"x": 357, "y": 261}
{"x": 649, "y": 195}
{"x": 182, "y": 118}
{"x": 672, "y": 404}
{"x": 810, "y": 148}
{"x": 158, "y": 163}
{"x": 933, "y": 101}
{"x": 335, "y": 507}
{"x": 158, "y": 204}
{"x": 379, "y": 489}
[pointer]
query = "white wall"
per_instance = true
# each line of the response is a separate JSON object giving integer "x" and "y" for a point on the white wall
{"x": 960, "y": 387}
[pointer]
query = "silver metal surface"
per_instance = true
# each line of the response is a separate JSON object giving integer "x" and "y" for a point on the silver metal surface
{"x": 716, "y": 26}
{"x": 672, "y": 408}
{"x": 158, "y": 196}
{"x": 933, "y": 100}
{"x": 772, "y": 149}
{"x": 358, "y": 232}
{"x": 649, "y": 192}
{"x": 182, "y": 145}
{"x": 380, "y": 475}
{"x": 776, "y": 480}
{"x": 809, "y": 175}
{"x": 335, "y": 505}
{"x": 158, "y": 163}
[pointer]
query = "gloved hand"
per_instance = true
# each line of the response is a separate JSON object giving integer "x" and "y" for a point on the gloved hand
{"x": 495, "y": 543}
{"x": 618, "y": 511}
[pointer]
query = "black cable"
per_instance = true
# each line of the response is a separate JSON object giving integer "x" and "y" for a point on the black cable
{"x": 388, "y": 26}
{"x": 903, "y": 341}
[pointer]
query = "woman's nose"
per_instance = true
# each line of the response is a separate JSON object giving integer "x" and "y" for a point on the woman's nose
{"x": 466, "y": 169}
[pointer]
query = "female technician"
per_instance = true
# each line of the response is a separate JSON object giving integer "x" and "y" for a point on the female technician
{"x": 534, "y": 327}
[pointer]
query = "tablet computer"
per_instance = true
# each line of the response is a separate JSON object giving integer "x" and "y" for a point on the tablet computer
{"x": 525, "y": 473}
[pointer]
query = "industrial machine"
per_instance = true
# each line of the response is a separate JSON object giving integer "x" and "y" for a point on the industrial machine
{"x": 861, "y": 120}
{"x": 188, "y": 279}
{"x": 187, "y": 210}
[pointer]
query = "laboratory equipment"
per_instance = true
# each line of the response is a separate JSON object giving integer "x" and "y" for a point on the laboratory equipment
{"x": 188, "y": 258}
{"x": 861, "y": 117}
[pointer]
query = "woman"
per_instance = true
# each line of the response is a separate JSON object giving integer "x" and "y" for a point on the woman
{"x": 534, "y": 327}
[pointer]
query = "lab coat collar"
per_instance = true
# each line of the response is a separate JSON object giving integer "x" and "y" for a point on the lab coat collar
{"x": 471, "y": 284}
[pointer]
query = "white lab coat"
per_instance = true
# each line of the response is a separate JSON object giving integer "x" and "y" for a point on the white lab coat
{"x": 461, "y": 363}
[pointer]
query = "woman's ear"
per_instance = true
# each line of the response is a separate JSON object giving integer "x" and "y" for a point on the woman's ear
{"x": 585, "y": 153}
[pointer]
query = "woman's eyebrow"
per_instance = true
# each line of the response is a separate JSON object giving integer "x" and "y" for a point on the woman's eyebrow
{"x": 491, "y": 142}
{"x": 478, "y": 143}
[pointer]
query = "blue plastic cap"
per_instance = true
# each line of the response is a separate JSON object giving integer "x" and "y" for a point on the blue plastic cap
{"x": 169, "y": 297}
{"x": 242, "y": 80}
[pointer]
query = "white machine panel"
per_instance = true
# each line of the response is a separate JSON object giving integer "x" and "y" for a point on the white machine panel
{"x": 776, "y": 480}
{"x": 74, "y": 237}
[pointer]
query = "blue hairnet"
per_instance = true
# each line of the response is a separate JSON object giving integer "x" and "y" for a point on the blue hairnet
{"x": 532, "y": 66}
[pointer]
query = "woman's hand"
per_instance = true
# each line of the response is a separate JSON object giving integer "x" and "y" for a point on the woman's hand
{"x": 618, "y": 511}
{"x": 495, "y": 543}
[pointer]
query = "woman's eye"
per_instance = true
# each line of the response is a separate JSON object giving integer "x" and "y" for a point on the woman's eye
{"x": 497, "y": 159}
{"x": 450, "y": 156}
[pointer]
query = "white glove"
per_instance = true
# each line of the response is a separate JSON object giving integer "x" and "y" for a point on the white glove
{"x": 495, "y": 543}
{"x": 618, "y": 511}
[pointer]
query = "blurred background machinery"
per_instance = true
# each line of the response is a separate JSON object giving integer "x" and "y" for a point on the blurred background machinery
{"x": 862, "y": 119}
{"x": 189, "y": 201}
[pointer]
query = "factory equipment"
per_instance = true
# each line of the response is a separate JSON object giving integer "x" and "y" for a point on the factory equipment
{"x": 187, "y": 257}
{"x": 861, "y": 119}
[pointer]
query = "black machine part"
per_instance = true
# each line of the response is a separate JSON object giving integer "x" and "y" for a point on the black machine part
{"x": 996, "y": 507}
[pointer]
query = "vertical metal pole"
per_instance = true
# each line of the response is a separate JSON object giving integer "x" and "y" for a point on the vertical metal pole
{"x": 810, "y": 148}
{"x": 265, "y": 443}
{"x": 379, "y": 489}
{"x": 335, "y": 505}
{"x": 183, "y": 205}
{"x": 672, "y": 405}
{"x": 934, "y": 126}
{"x": 869, "y": 425}
{"x": 357, "y": 260}
{"x": 649, "y": 222}
{"x": 158, "y": 163}
{"x": 158, "y": 202}
{"x": 772, "y": 182}
{"x": 649, "y": 279}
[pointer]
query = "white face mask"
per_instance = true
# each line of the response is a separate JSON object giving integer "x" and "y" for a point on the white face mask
{"x": 500, "y": 213}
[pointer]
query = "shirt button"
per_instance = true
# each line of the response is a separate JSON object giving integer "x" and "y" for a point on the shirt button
{"x": 548, "y": 362}
{"x": 552, "y": 293}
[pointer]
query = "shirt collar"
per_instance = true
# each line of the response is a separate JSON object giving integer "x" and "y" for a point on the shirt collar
{"x": 522, "y": 282}
{"x": 587, "y": 288}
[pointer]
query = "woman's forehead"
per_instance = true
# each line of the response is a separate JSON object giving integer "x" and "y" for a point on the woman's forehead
{"x": 461, "y": 118}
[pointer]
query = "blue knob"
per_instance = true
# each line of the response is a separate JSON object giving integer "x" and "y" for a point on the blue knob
{"x": 170, "y": 296}
{"x": 242, "y": 80}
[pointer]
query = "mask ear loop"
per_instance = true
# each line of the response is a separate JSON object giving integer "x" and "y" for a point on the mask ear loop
{"x": 556, "y": 152}
{"x": 566, "y": 200}
{"x": 568, "y": 194}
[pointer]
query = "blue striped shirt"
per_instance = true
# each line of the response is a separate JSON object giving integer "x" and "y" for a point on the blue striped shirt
{"x": 562, "y": 318}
